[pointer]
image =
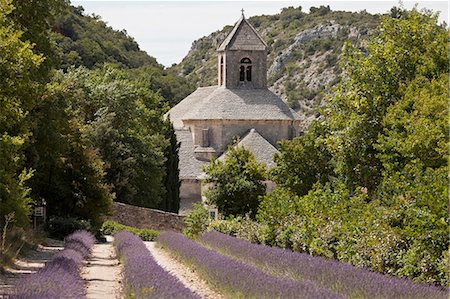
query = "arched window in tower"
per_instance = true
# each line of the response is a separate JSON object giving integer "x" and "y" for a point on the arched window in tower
{"x": 221, "y": 70}
{"x": 245, "y": 72}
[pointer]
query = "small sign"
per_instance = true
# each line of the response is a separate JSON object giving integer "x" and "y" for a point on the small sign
{"x": 39, "y": 211}
{"x": 213, "y": 215}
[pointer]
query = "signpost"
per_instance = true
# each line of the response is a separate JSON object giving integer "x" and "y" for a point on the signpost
{"x": 40, "y": 214}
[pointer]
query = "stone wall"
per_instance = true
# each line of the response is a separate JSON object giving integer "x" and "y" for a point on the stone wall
{"x": 146, "y": 218}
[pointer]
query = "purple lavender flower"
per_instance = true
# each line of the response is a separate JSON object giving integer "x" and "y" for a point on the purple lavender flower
{"x": 236, "y": 278}
{"x": 60, "y": 277}
{"x": 144, "y": 278}
{"x": 342, "y": 278}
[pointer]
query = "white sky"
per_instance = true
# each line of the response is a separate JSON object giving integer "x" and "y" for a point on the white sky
{"x": 166, "y": 29}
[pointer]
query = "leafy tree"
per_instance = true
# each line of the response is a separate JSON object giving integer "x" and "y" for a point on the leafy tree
{"x": 403, "y": 48}
{"x": 18, "y": 68}
{"x": 69, "y": 173}
{"x": 36, "y": 19}
{"x": 416, "y": 127}
{"x": 124, "y": 121}
{"x": 237, "y": 182}
{"x": 303, "y": 161}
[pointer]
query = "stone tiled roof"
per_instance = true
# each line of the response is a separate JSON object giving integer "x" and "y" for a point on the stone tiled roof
{"x": 243, "y": 37}
{"x": 233, "y": 104}
{"x": 262, "y": 149}
{"x": 191, "y": 102}
{"x": 189, "y": 166}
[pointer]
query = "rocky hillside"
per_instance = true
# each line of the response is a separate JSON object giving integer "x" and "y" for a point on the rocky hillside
{"x": 304, "y": 52}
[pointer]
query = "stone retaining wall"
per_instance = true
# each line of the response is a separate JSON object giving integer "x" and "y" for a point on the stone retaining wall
{"x": 146, "y": 218}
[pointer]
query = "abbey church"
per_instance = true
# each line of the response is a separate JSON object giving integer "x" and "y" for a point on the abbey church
{"x": 240, "y": 107}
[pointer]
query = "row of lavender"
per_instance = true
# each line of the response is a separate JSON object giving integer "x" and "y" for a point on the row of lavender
{"x": 344, "y": 279}
{"x": 143, "y": 277}
{"x": 60, "y": 277}
{"x": 238, "y": 279}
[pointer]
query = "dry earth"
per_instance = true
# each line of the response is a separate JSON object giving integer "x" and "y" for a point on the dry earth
{"x": 185, "y": 274}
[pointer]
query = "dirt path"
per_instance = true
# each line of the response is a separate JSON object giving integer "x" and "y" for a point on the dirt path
{"x": 31, "y": 261}
{"x": 103, "y": 273}
{"x": 186, "y": 275}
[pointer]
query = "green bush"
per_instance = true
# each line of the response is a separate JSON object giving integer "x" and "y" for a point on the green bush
{"x": 59, "y": 227}
{"x": 110, "y": 227}
{"x": 196, "y": 221}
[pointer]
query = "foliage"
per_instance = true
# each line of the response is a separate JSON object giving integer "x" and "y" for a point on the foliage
{"x": 19, "y": 68}
{"x": 244, "y": 228}
{"x": 143, "y": 276}
{"x": 59, "y": 227}
{"x": 237, "y": 182}
{"x": 84, "y": 40}
{"x": 123, "y": 121}
{"x": 403, "y": 49}
{"x": 196, "y": 221}
{"x": 110, "y": 227}
{"x": 234, "y": 278}
{"x": 303, "y": 161}
{"x": 346, "y": 280}
{"x": 60, "y": 277}
{"x": 69, "y": 172}
{"x": 172, "y": 181}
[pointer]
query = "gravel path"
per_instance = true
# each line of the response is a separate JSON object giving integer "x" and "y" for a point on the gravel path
{"x": 186, "y": 275}
{"x": 103, "y": 273}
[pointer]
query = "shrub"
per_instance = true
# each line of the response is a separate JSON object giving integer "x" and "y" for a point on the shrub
{"x": 236, "y": 182}
{"x": 59, "y": 227}
{"x": 111, "y": 227}
{"x": 196, "y": 221}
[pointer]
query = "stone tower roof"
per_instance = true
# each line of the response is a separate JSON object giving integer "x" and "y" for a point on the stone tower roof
{"x": 262, "y": 149}
{"x": 243, "y": 37}
{"x": 232, "y": 104}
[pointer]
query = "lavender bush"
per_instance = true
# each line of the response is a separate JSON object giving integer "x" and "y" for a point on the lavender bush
{"x": 342, "y": 278}
{"x": 143, "y": 277}
{"x": 236, "y": 278}
{"x": 60, "y": 277}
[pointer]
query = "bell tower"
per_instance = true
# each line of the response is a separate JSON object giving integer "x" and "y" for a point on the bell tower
{"x": 242, "y": 58}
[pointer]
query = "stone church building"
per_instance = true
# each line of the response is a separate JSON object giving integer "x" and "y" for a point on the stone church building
{"x": 240, "y": 106}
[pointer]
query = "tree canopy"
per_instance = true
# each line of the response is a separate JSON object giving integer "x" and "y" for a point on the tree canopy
{"x": 236, "y": 182}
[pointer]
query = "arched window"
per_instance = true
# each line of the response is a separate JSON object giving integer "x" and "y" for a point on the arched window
{"x": 221, "y": 70}
{"x": 245, "y": 71}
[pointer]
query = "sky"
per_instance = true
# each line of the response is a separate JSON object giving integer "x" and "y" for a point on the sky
{"x": 166, "y": 29}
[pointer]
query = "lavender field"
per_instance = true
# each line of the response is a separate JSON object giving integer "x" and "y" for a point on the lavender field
{"x": 344, "y": 279}
{"x": 235, "y": 278}
{"x": 143, "y": 277}
{"x": 60, "y": 277}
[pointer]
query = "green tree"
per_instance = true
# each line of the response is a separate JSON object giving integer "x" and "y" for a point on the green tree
{"x": 303, "y": 161}
{"x": 18, "y": 68}
{"x": 124, "y": 121}
{"x": 402, "y": 49}
{"x": 172, "y": 179}
{"x": 237, "y": 182}
{"x": 69, "y": 173}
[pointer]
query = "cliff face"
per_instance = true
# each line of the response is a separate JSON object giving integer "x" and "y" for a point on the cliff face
{"x": 304, "y": 52}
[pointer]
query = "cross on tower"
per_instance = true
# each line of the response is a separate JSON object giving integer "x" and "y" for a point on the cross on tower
{"x": 242, "y": 10}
